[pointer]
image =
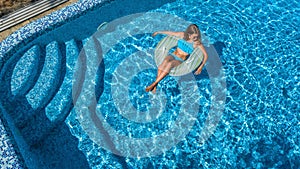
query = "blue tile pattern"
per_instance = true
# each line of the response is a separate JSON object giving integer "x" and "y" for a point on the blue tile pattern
{"x": 54, "y": 19}
{"x": 268, "y": 139}
{"x": 48, "y": 80}
{"x": 8, "y": 156}
{"x": 22, "y": 75}
{"x": 260, "y": 127}
{"x": 63, "y": 98}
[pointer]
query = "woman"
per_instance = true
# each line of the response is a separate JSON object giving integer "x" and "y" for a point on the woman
{"x": 189, "y": 40}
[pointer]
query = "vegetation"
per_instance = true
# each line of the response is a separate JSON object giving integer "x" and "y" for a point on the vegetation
{"x": 8, "y": 6}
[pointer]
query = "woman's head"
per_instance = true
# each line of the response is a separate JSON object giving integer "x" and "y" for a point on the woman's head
{"x": 192, "y": 32}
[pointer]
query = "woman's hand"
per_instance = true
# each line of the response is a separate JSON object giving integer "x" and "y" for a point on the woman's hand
{"x": 199, "y": 70}
{"x": 154, "y": 34}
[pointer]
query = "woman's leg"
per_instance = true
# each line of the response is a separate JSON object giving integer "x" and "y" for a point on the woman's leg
{"x": 163, "y": 71}
{"x": 161, "y": 68}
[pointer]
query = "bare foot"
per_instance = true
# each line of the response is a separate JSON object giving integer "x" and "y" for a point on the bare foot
{"x": 154, "y": 89}
{"x": 151, "y": 87}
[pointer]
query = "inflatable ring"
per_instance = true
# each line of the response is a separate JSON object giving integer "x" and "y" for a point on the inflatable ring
{"x": 192, "y": 62}
{"x": 102, "y": 26}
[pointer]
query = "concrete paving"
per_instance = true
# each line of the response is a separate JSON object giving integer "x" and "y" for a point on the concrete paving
{"x": 9, "y": 31}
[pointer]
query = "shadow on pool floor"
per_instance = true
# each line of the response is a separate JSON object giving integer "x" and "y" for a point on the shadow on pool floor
{"x": 59, "y": 150}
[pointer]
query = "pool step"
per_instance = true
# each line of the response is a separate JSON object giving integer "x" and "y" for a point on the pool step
{"x": 25, "y": 71}
{"x": 61, "y": 104}
{"x": 19, "y": 76}
{"x": 50, "y": 99}
{"x": 49, "y": 79}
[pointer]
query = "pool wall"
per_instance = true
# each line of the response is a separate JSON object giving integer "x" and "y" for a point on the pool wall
{"x": 9, "y": 151}
{"x": 16, "y": 153}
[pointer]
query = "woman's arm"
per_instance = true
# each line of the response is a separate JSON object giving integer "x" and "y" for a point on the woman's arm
{"x": 178, "y": 34}
{"x": 205, "y": 56}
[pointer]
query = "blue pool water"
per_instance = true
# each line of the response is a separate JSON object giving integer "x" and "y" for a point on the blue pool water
{"x": 258, "y": 45}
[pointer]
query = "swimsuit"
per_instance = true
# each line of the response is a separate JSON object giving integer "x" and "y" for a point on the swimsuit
{"x": 176, "y": 57}
{"x": 185, "y": 46}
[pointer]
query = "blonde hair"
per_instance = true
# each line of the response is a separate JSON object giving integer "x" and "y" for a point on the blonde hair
{"x": 192, "y": 29}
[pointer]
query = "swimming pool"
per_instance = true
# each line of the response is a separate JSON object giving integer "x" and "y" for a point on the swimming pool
{"x": 257, "y": 44}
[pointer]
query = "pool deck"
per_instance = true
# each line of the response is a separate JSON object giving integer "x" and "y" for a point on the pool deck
{"x": 9, "y": 31}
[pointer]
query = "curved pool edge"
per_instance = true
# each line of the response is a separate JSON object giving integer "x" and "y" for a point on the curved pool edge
{"x": 42, "y": 24}
{"x": 13, "y": 153}
{"x": 19, "y": 154}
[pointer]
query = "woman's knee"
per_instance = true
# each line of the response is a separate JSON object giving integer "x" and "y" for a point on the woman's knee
{"x": 161, "y": 67}
{"x": 164, "y": 62}
{"x": 168, "y": 65}
{"x": 167, "y": 60}
{"x": 173, "y": 63}
{"x": 165, "y": 66}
